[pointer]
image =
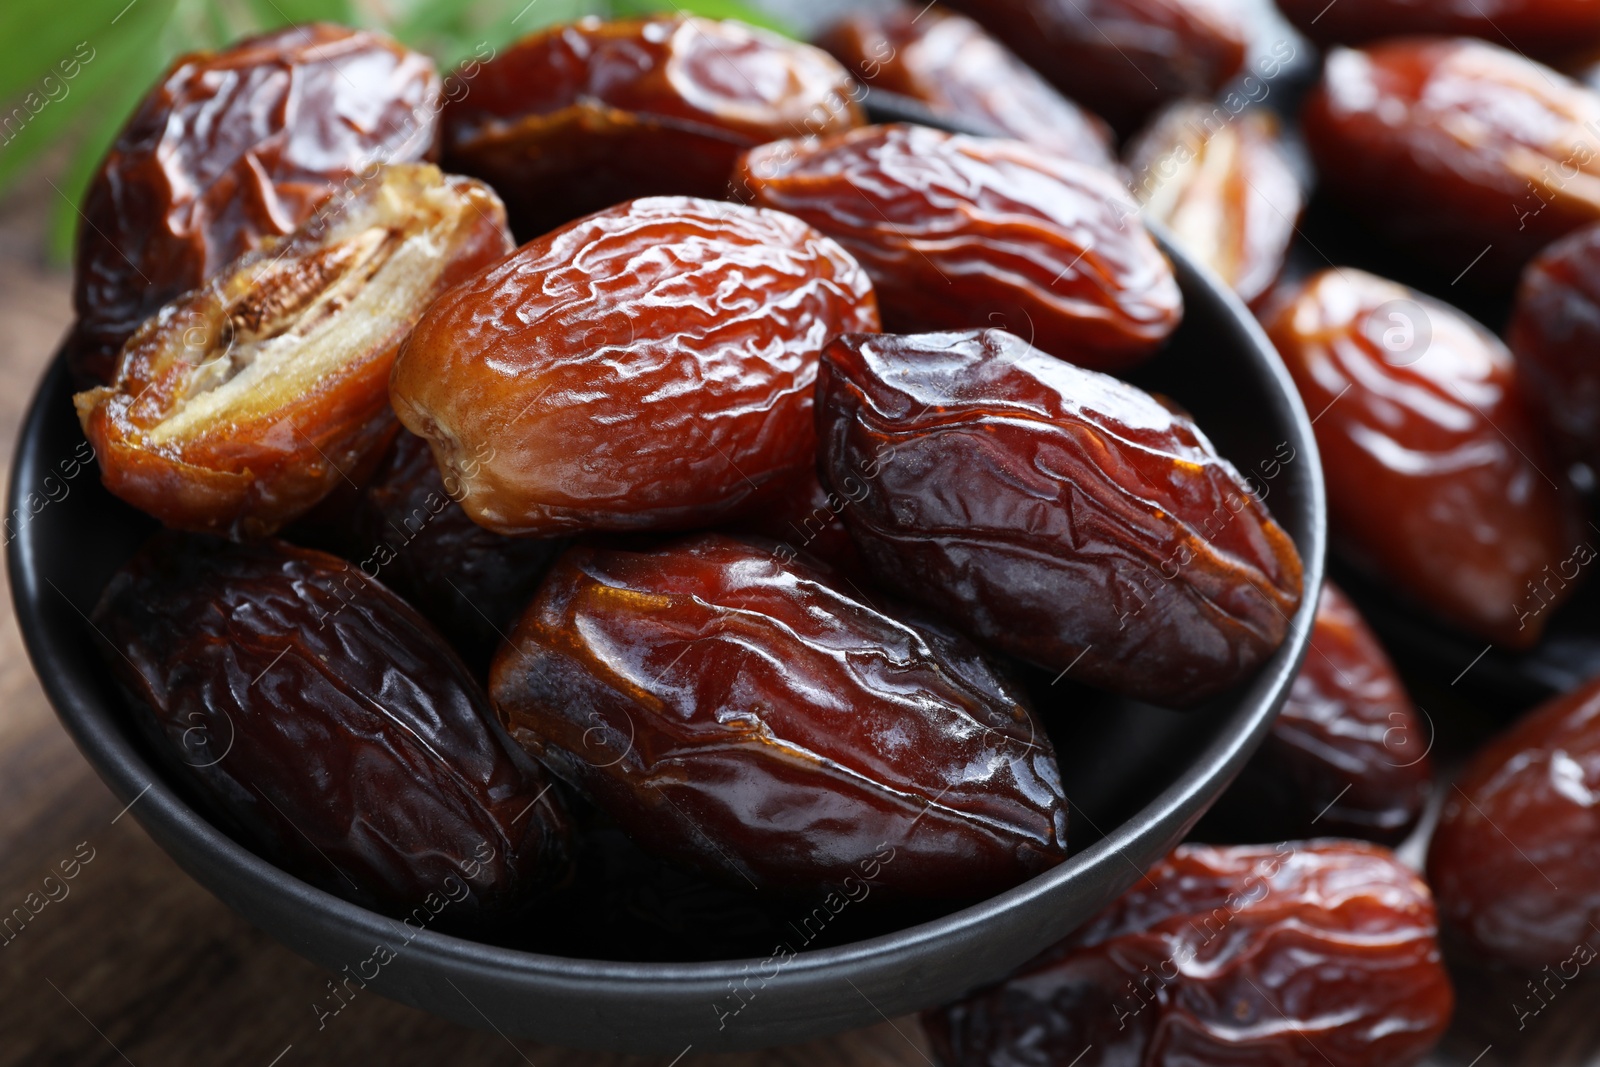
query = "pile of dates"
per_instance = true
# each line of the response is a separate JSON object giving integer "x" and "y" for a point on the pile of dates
{"x": 622, "y": 439}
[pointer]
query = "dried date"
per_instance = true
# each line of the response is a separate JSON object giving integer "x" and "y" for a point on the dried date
{"x": 1437, "y": 479}
{"x": 1054, "y": 513}
{"x": 581, "y": 116}
{"x": 650, "y": 366}
{"x": 1306, "y": 954}
{"x": 960, "y": 231}
{"x": 738, "y": 713}
{"x": 1554, "y": 334}
{"x": 330, "y": 727}
{"x": 243, "y": 403}
{"x": 1538, "y": 27}
{"x": 950, "y": 63}
{"x": 230, "y": 150}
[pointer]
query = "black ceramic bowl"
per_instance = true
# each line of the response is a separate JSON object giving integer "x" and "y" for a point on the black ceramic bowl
{"x": 1138, "y": 777}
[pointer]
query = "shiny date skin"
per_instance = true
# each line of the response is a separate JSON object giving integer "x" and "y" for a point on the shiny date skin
{"x": 951, "y": 64}
{"x": 230, "y": 150}
{"x": 1515, "y": 859}
{"x": 740, "y": 714}
{"x": 1543, "y": 28}
{"x": 582, "y": 116}
{"x": 1554, "y": 334}
{"x": 329, "y": 725}
{"x": 1055, "y": 514}
{"x": 1121, "y": 59}
{"x": 648, "y": 367}
{"x": 1309, "y": 953}
{"x": 242, "y": 404}
{"x": 1349, "y": 754}
{"x": 961, "y": 231}
{"x": 1227, "y": 195}
{"x": 1437, "y": 479}
{"x": 1450, "y": 145}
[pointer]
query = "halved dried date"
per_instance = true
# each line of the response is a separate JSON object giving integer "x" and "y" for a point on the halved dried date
{"x": 961, "y": 232}
{"x": 329, "y": 725}
{"x": 585, "y": 115}
{"x": 1555, "y": 334}
{"x": 1316, "y": 952}
{"x": 950, "y": 63}
{"x": 242, "y": 404}
{"x": 738, "y": 713}
{"x": 1054, "y": 513}
{"x": 1437, "y": 480}
{"x": 230, "y": 150}
{"x": 650, "y": 366}
{"x": 1515, "y": 858}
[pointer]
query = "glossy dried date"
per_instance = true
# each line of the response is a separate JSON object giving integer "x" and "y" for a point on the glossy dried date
{"x": 1227, "y": 194}
{"x": 1437, "y": 479}
{"x": 1554, "y": 334}
{"x": 650, "y": 366}
{"x": 1515, "y": 859}
{"x": 1451, "y": 145}
{"x": 245, "y": 402}
{"x": 1539, "y": 27}
{"x": 738, "y": 713}
{"x": 582, "y": 116}
{"x": 230, "y": 150}
{"x": 960, "y": 232}
{"x": 1054, "y": 513}
{"x": 950, "y": 63}
{"x": 330, "y": 726}
{"x": 1303, "y": 954}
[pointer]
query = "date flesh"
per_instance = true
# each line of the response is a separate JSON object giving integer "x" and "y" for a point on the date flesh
{"x": 582, "y": 116}
{"x": 951, "y": 64}
{"x": 959, "y": 232}
{"x": 1449, "y": 145}
{"x": 230, "y": 150}
{"x": 738, "y": 713}
{"x": 243, "y": 403}
{"x": 648, "y": 367}
{"x": 1054, "y": 513}
{"x": 329, "y": 726}
{"x": 1554, "y": 334}
{"x": 1515, "y": 859}
{"x": 1227, "y": 195}
{"x": 1348, "y": 755}
{"x": 1308, "y": 953}
{"x": 1437, "y": 479}
{"x": 1538, "y": 27}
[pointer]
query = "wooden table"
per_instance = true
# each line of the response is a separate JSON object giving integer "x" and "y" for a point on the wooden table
{"x": 137, "y": 964}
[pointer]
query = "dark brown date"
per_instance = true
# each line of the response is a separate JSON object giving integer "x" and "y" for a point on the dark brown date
{"x": 228, "y": 151}
{"x": 1538, "y": 27}
{"x": 736, "y": 712}
{"x": 1554, "y": 334}
{"x": 1437, "y": 479}
{"x": 1307, "y": 954}
{"x": 650, "y": 366}
{"x": 582, "y": 116}
{"x": 1226, "y": 193}
{"x": 1121, "y": 58}
{"x": 329, "y": 726}
{"x": 242, "y": 404}
{"x": 1516, "y": 856}
{"x": 960, "y": 232}
{"x": 1348, "y": 755}
{"x": 1455, "y": 148}
{"x": 948, "y": 62}
{"x": 1054, "y": 513}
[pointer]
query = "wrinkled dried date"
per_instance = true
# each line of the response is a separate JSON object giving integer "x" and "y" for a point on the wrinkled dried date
{"x": 582, "y": 116}
{"x": 1054, "y": 513}
{"x": 959, "y": 231}
{"x": 1226, "y": 194}
{"x": 650, "y": 366}
{"x": 948, "y": 62}
{"x": 1555, "y": 333}
{"x": 1540, "y": 27}
{"x": 245, "y": 402}
{"x": 1308, "y": 953}
{"x": 738, "y": 713}
{"x": 327, "y": 722}
{"x": 1436, "y": 477}
{"x": 1515, "y": 859}
{"x": 231, "y": 149}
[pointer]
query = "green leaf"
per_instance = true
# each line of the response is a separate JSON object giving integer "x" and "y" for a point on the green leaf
{"x": 711, "y": 9}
